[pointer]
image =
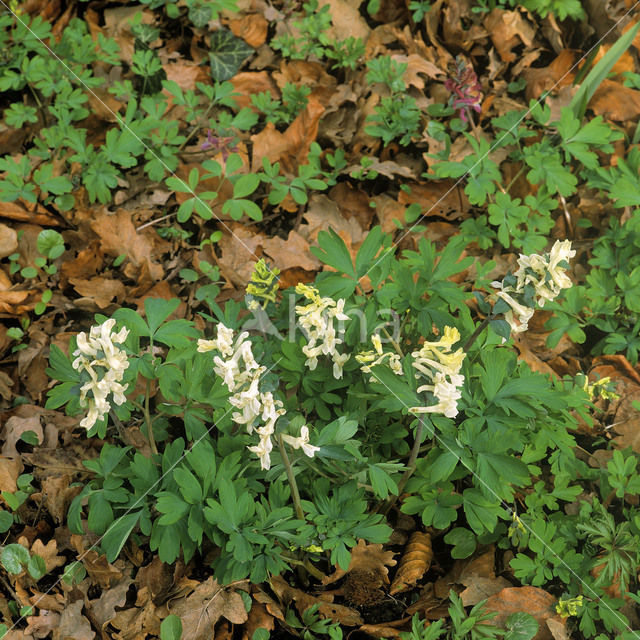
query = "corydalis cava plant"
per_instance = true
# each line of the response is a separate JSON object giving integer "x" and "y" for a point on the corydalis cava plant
{"x": 538, "y": 279}
{"x": 435, "y": 365}
{"x": 103, "y": 364}
{"x": 257, "y": 410}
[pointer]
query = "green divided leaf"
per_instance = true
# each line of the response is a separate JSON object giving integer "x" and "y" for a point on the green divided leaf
{"x": 118, "y": 533}
{"x": 227, "y": 54}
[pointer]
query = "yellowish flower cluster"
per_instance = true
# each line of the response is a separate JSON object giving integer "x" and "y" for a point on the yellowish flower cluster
{"x": 257, "y": 410}
{"x": 316, "y": 319}
{"x": 545, "y": 273}
{"x": 105, "y": 363}
{"x": 441, "y": 367}
{"x": 369, "y": 359}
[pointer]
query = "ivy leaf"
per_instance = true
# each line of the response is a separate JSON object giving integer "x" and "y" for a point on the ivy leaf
{"x": 227, "y": 54}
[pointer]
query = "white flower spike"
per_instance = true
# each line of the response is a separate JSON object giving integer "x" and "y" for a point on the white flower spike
{"x": 105, "y": 364}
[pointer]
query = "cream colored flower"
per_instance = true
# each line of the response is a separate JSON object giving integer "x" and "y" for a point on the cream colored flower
{"x": 441, "y": 368}
{"x": 316, "y": 319}
{"x": 241, "y": 374}
{"x": 302, "y": 442}
{"x": 98, "y": 356}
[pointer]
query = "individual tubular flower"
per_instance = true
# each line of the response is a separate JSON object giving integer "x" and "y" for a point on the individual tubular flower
{"x": 370, "y": 359}
{"x": 538, "y": 279}
{"x": 436, "y": 363}
{"x": 105, "y": 365}
{"x": 316, "y": 319}
{"x": 302, "y": 442}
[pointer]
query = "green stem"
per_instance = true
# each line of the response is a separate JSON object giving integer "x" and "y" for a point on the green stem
{"x": 411, "y": 466}
{"x": 295, "y": 494}
{"x": 147, "y": 419}
{"x": 394, "y": 344}
{"x": 122, "y": 432}
{"x": 197, "y": 127}
{"x": 479, "y": 329}
{"x": 518, "y": 173}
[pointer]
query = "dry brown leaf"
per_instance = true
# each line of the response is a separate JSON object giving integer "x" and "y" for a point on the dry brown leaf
{"x": 387, "y": 210}
{"x": 380, "y": 631}
{"x": 205, "y": 606}
{"x": 86, "y": 264}
{"x": 309, "y": 74}
{"x": 507, "y": 30}
{"x": 346, "y": 19}
{"x": 322, "y": 214}
{"x": 48, "y": 552}
{"x": 58, "y": 495}
{"x": 42, "y": 625}
{"x": 442, "y": 198}
{"x": 478, "y": 575}
{"x": 291, "y": 253}
{"x": 17, "y": 303}
{"x": 33, "y": 362}
{"x": 137, "y": 623}
{"x": 14, "y": 427}
{"x": 556, "y": 76}
{"x": 248, "y": 83}
{"x": 259, "y": 618}
{"x": 73, "y": 624}
{"x": 156, "y": 576}
{"x": 103, "y": 609}
{"x": 557, "y": 628}
{"x": 100, "y": 289}
{"x": 414, "y": 563}
{"x": 252, "y": 28}
{"x": 239, "y": 251}
{"x": 118, "y": 236}
{"x": 100, "y": 570}
{"x": 367, "y": 557}
{"x": 615, "y": 101}
{"x": 302, "y": 600}
{"x": 8, "y": 240}
{"x": 290, "y": 148}
{"x": 185, "y": 74}
{"x": 10, "y": 469}
{"x": 531, "y": 600}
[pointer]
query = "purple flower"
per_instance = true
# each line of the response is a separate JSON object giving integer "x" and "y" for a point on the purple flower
{"x": 466, "y": 90}
{"x": 221, "y": 144}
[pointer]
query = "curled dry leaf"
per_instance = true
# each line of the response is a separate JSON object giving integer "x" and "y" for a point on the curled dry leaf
{"x": 251, "y": 28}
{"x": 336, "y": 612}
{"x": 414, "y": 563}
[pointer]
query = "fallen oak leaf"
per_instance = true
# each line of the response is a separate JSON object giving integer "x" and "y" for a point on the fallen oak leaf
{"x": 303, "y": 601}
{"x": 365, "y": 557}
{"x": 201, "y": 610}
